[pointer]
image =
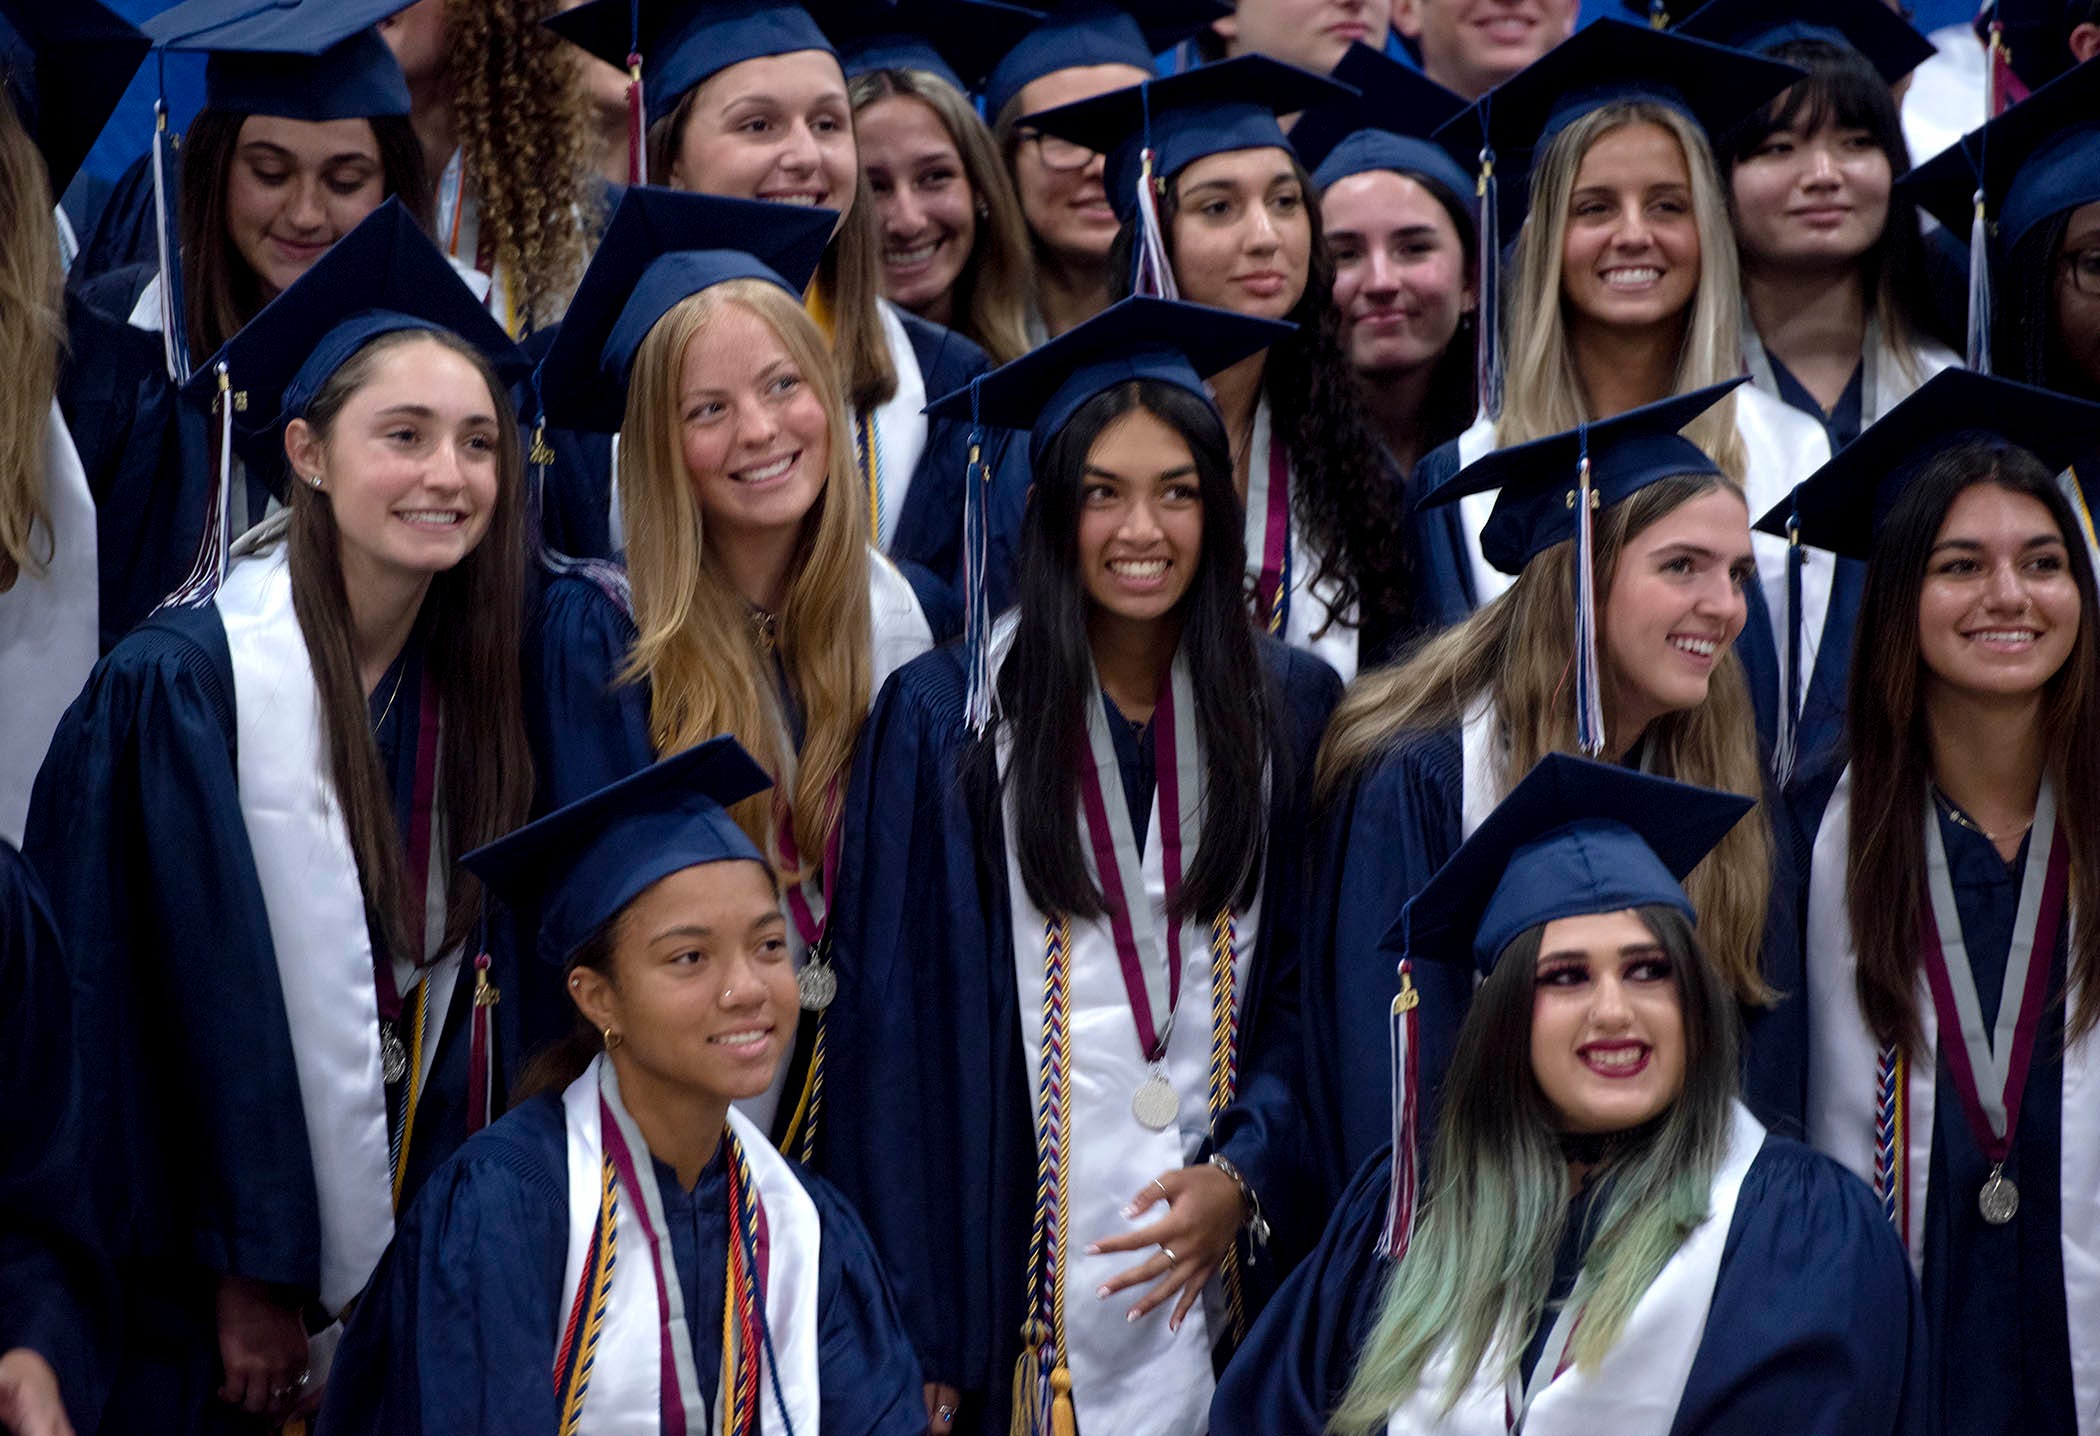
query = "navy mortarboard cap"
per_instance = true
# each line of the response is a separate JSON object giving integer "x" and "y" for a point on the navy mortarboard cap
{"x": 64, "y": 66}
{"x": 680, "y": 43}
{"x": 579, "y": 867}
{"x": 1163, "y": 340}
{"x": 1385, "y": 126}
{"x": 1890, "y": 43}
{"x": 1210, "y": 110}
{"x": 1536, "y": 507}
{"x": 1841, "y": 506}
{"x": 1078, "y": 33}
{"x": 661, "y": 247}
{"x": 1575, "y": 837}
{"x": 300, "y": 59}
{"x": 958, "y": 40}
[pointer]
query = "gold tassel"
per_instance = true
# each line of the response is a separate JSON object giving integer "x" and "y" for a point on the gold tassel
{"x": 1062, "y": 1421}
{"x": 1027, "y": 1372}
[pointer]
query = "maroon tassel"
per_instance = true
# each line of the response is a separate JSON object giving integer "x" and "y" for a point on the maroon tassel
{"x": 481, "y": 1072}
{"x": 636, "y": 123}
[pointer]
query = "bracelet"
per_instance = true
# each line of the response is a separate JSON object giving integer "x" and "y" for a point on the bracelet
{"x": 1250, "y": 1204}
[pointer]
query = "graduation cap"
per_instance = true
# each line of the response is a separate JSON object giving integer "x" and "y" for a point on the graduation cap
{"x": 1076, "y": 33}
{"x": 1385, "y": 126}
{"x": 2038, "y": 159}
{"x": 958, "y": 40}
{"x": 1841, "y": 506}
{"x": 1141, "y": 338}
{"x": 661, "y": 247}
{"x": 1603, "y": 63}
{"x": 309, "y": 60}
{"x": 579, "y": 867}
{"x": 1574, "y": 838}
{"x": 671, "y": 46}
{"x": 1890, "y": 43}
{"x": 1552, "y": 489}
{"x": 64, "y": 67}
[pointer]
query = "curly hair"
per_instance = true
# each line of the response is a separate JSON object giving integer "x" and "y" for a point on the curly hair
{"x": 1343, "y": 496}
{"x": 519, "y": 112}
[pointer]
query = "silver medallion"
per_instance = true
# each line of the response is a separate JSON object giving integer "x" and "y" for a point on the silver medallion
{"x": 816, "y": 986}
{"x": 1155, "y": 1103}
{"x": 393, "y": 1057}
{"x": 1999, "y": 1201}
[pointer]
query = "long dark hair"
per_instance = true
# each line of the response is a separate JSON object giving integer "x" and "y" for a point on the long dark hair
{"x": 474, "y": 614}
{"x": 1044, "y": 684}
{"x": 1891, "y": 751}
{"x": 2028, "y": 345}
{"x": 1843, "y": 88}
{"x": 1343, "y": 495}
{"x": 221, "y": 292}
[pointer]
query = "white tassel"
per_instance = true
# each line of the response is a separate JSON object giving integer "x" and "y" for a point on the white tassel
{"x": 1979, "y": 289}
{"x": 174, "y": 335}
{"x": 1589, "y": 695}
{"x": 1487, "y": 364}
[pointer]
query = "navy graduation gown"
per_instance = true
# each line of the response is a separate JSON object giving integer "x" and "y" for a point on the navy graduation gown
{"x": 56, "y": 1294}
{"x": 1375, "y": 846}
{"x": 1814, "y": 1330}
{"x": 928, "y": 1126}
{"x": 1445, "y": 595}
{"x": 458, "y": 1332}
{"x": 135, "y": 825}
{"x": 587, "y": 728}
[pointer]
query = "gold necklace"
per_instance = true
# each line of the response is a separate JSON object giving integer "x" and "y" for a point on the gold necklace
{"x": 388, "y": 711}
{"x": 765, "y": 628}
{"x": 1963, "y": 820}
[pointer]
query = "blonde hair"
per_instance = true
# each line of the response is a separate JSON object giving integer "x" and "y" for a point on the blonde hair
{"x": 1516, "y": 651}
{"x": 1543, "y": 387}
{"x": 32, "y": 339}
{"x": 991, "y": 294}
{"x": 695, "y": 644}
{"x": 518, "y": 106}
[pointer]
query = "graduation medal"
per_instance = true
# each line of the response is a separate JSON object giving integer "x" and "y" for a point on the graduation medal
{"x": 1155, "y": 1103}
{"x": 816, "y": 985}
{"x": 1989, "y": 1069}
{"x": 393, "y": 1054}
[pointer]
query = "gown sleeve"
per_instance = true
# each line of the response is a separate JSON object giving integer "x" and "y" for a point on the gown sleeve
{"x": 866, "y": 1364}
{"x": 56, "y": 1288}
{"x": 1446, "y": 574}
{"x": 456, "y": 1335}
{"x": 136, "y": 829}
{"x": 1289, "y": 1375}
{"x": 1379, "y": 841}
{"x": 587, "y": 728}
{"x": 1816, "y": 1327}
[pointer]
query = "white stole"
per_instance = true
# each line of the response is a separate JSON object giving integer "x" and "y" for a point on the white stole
{"x": 1475, "y": 444}
{"x": 1635, "y": 1390}
{"x": 49, "y": 626}
{"x": 1130, "y": 1379}
{"x": 1844, "y": 1063}
{"x": 1308, "y": 602}
{"x": 625, "y": 1381}
{"x": 308, "y": 875}
{"x": 900, "y": 425}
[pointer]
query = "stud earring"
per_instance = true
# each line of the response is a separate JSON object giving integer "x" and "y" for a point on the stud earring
{"x": 315, "y": 480}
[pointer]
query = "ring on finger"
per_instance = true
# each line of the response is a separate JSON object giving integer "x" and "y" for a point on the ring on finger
{"x": 944, "y": 1413}
{"x": 1162, "y": 1189}
{"x": 1168, "y": 1253}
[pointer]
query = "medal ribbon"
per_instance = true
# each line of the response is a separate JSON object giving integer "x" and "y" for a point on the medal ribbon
{"x": 1553, "y": 1360}
{"x": 1269, "y": 523}
{"x": 1992, "y": 1106}
{"x": 1151, "y": 979}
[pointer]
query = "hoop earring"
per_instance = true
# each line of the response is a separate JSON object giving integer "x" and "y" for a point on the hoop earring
{"x": 612, "y": 1039}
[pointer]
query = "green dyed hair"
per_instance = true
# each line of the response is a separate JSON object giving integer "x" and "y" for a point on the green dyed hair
{"x": 1496, "y": 1198}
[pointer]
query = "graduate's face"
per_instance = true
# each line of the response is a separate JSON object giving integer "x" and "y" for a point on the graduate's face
{"x": 1062, "y": 196}
{"x": 757, "y": 441}
{"x": 1312, "y": 34}
{"x": 410, "y": 467}
{"x": 1242, "y": 237}
{"x": 1675, "y": 604}
{"x": 1400, "y": 282}
{"x": 1630, "y": 252}
{"x": 924, "y": 205}
{"x": 1607, "y": 1024}
{"x": 775, "y": 128}
{"x": 1473, "y": 45}
{"x": 1998, "y": 610}
{"x": 2078, "y": 295}
{"x": 1807, "y": 199}
{"x": 1140, "y": 519}
{"x": 703, "y": 988}
{"x": 296, "y": 187}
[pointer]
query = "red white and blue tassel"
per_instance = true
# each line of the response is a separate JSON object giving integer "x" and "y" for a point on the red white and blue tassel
{"x": 174, "y": 331}
{"x": 976, "y": 563}
{"x": 637, "y": 111}
{"x": 1152, "y": 274}
{"x": 1487, "y": 350}
{"x": 1589, "y": 691}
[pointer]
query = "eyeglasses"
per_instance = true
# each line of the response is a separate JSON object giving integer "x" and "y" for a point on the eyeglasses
{"x": 2084, "y": 265}
{"x": 1056, "y": 154}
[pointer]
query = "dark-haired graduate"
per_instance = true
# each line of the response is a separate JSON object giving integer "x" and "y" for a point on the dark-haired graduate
{"x": 1067, "y": 913}
{"x": 247, "y": 823}
{"x": 624, "y": 1251}
{"x": 1605, "y": 1239}
{"x": 1616, "y": 638}
{"x": 1951, "y": 967}
{"x": 1216, "y": 209}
